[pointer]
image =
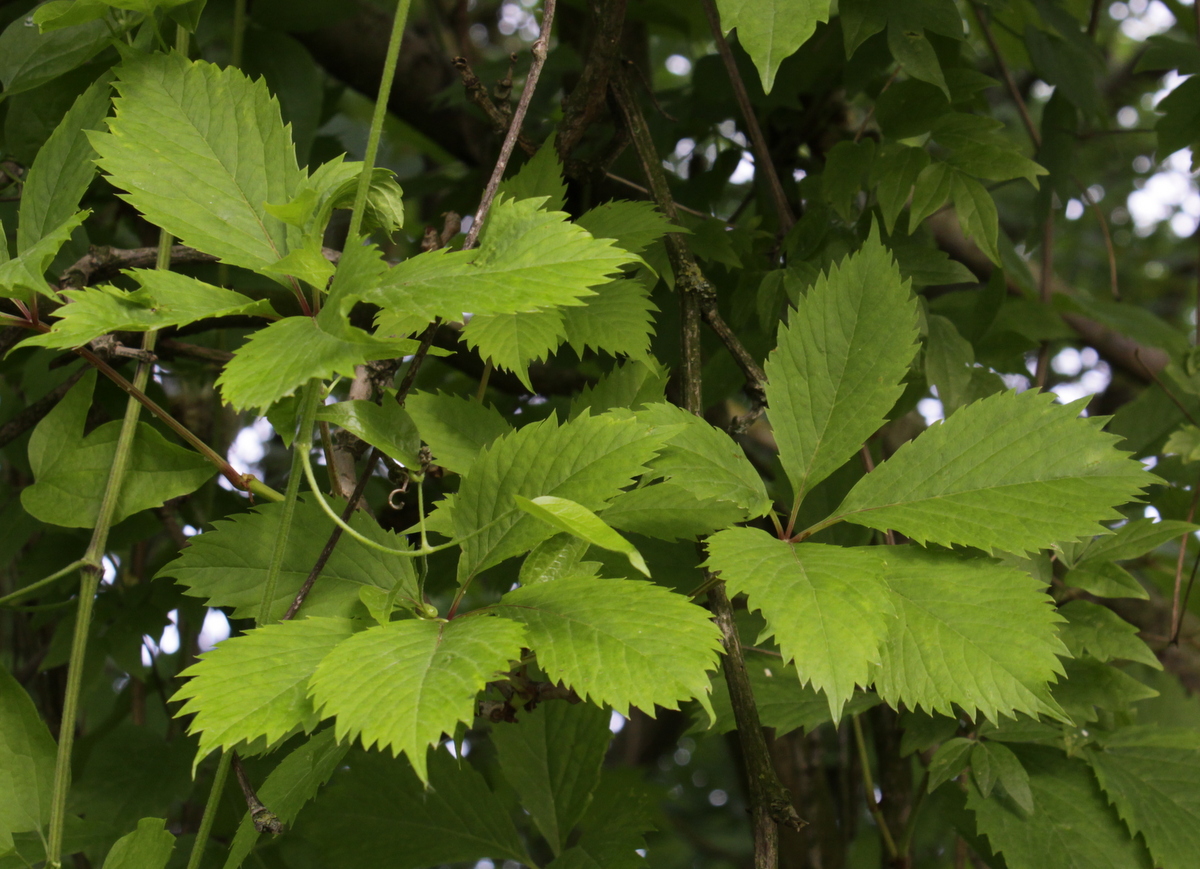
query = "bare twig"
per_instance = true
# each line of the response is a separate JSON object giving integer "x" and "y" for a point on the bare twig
{"x": 633, "y": 185}
{"x": 540, "y": 49}
{"x": 762, "y": 154}
{"x": 587, "y": 99}
{"x": 1009, "y": 83}
{"x": 265, "y": 821}
{"x": 478, "y": 94}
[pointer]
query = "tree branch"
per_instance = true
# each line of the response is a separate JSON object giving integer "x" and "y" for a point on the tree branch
{"x": 587, "y": 101}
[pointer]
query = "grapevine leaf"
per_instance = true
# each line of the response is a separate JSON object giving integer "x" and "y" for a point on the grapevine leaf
{"x": 455, "y": 428}
{"x": 289, "y": 786}
{"x": 71, "y": 471}
{"x": 1012, "y": 472}
{"x": 552, "y": 758}
{"x": 618, "y": 642}
{"x": 147, "y": 847}
{"x": 971, "y": 632}
{"x": 255, "y": 686}
{"x": 587, "y": 460}
{"x": 528, "y": 259}
{"x": 839, "y": 363}
{"x": 619, "y": 319}
{"x": 1073, "y": 827}
{"x": 1098, "y": 631}
{"x": 826, "y": 606}
{"x": 512, "y": 341}
{"x": 670, "y": 512}
{"x": 771, "y": 31}
{"x": 1150, "y": 775}
{"x": 199, "y": 150}
{"x": 567, "y": 515}
{"x": 403, "y": 684}
{"x": 227, "y": 565}
{"x": 27, "y": 752}
{"x": 165, "y": 299}
{"x": 384, "y": 425}
{"x": 376, "y": 812}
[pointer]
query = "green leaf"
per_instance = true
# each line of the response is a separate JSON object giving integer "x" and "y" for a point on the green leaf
{"x": 706, "y": 461}
{"x": 612, "y": 828}
{"x": 404, "y": 684}
{"x": 1106, "y": 579}
{"x": 165, "y": 299}
{"x": 1179, "y": 126}
{"x": 772, "y": 30}
{"x": 978, "y": 146}
{"x": 553, "y": 559}
{"x": 566, "y": 515}
{"x": 618, "y": 642}
{"x": 29, "y": 58}
{"x": 993, "y": 762}
{"x": 914, "y": 52}
{"x": 630, "y": 384}
{"x": 949, "y": 760}
{"x": 528, "y": 259}
{"x": 513, "y": 341}
{"x": 1073, "y": 827}
{"x": 587, "y": 460}
{"x": 670, "y": 511}
{"x": 1090, "y": 688}
{"x": 1014, "y": 472}
{"x": 847, "y": 167}
{"x": 376, "y": 812}
{"x": 949, "y": 363}
{"x": 839, "y": 363}
{"x": 1133, "y": 540}
{"x": 976, "y": 214}
{"x": 540, "y": 178}
{"x": 455, "y": 428}
{"x": 255, "y": 686}
{"x": 930, "y": 192}
{"x": 386, "y": 426}
{"x": 994, "y": 629}
{"x": 26, "y": 273}
{"x": 1185, "y": 443}
{"x": 199, "y": 150}
{"x": 618, "y": 320}
{"x": 634, "y": 226}
{"x": 288, "y": 788}
{"x": 1098, "y": 631}
{"x": 861, "y": 19}
{"x": 826, "y": 606}
{"x": 71, "y": 471}
{"x": 1150, "y": 775}
{"x": 227, "y": 565}
{"x": 62, "y": 170}
{"x": 147, "y": 847}
{"x": 894, "y": 172}
{"x": 552, "y": 757}
{"x": 1070, "y": 64}
{"x": 27, "y": 752}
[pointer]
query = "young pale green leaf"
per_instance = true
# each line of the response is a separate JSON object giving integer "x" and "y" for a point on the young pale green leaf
{"x": 386, "y": 426}
{"x": 773, "y": 30}
{"x": 456, "y": 429}
{"x": 1073, "y": 827}
{"x": 1013, "y": 472}
{"x": 994, "y": 629}
{"x": 630, "y": 384}
{"x": 619, "y": 642}
{"x": 27, "y": 753}
{"x": 540, "y": 178}
{"x": 574, "y": 518}
{"x": 513, "y": 341}
{"x": 552, "y": 758}
{"x": 63, "y": 168}
{"x": 25, "y": 274}
{"x": 70, "y": 470}
{"x": 705, "y": 461}
{"x": 199, "y": 150}
{"x": 587, "y": 460}
{"x": 288, "y": 788}
{"x": 634, "y": 226}
{"x": 1150, "y": 775}
{"x": 826, "y": 606}
{"x": 147, "y": 847}
{"x": 227, "y": 565}
{"x": 255, "y": 686}
{"x": 376, "y": 812}
{"x": 618, "y": 320}
{"x": 528, "y": 259}
{"x": 1098, "y": 631}
{"x": 839, "y": 363}
{"x": 165, "y": 299}
{"x": 670, "y": 512}
{"x": 404, "y": 684}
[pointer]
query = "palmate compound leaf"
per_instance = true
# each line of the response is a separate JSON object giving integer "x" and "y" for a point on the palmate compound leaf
{"x": 971, "y": 632}
{"x": 527, "y": 260}
{"x": 200, "y": 150}
{"x": 165, "y": 299}
{"x": 1150, "y": 774}
{"x": 512, "y": 341}
{"x": 827, "y": 606}
{"x": 255, "y": 686}
{"x": 70, "y": 470}
{"x": 27, "y": 752}
{"x": 618, "y": 642}
{"x": 1072, "y": 826}
{"x": 227, "y": 565}
{"x": 588, "y": 460}
{"x": 1013, "y": 472}
{"x": 552, "y": 757}
{"x": 404, "y": 684}
{"x": 770, "y": 31}
{"x": 839, "y": 363}
{"x": 455, "y": 428}
{"x": 376, "y": 812}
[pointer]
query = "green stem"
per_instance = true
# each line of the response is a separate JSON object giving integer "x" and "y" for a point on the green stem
{"x": 210, "y": 810}
{"x": 41, "y": 583}
{"x": 869, "y": 785}
{"x": 300, "y": 448}
{"x": 237, "y": 43}
{"x": 381, "y": 102}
